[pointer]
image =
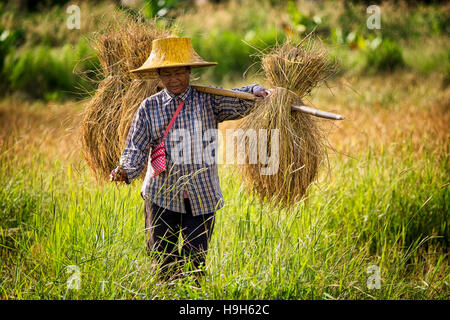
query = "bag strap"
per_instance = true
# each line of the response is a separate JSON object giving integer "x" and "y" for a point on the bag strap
{"x": 173, "y": 118}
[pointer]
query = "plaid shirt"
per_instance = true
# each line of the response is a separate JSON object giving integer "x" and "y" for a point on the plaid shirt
{"x": 200, "y": 179}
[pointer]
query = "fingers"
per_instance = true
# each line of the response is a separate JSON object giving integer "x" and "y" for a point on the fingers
{"x": 263, "y": 92}
{"x": 112, "y": 175}
{"x": 268, "y": 92}
{"x": 117, "y": 175}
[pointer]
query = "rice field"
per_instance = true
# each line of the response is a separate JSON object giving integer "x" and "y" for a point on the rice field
{"x": 374, "y": 227}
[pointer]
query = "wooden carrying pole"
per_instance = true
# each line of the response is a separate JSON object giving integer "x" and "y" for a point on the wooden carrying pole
{"x": 249, "y": 96}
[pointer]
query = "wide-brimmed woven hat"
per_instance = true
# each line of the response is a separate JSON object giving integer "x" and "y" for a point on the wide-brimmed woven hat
{"x": 172, "y": 52}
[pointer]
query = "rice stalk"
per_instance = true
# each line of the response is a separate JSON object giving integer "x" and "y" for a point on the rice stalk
{"x": 292, "y": 71}
{"x": 107, "y": 117}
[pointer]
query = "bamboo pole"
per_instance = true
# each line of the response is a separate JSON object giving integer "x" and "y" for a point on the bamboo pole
{"x": 249, "y": 96}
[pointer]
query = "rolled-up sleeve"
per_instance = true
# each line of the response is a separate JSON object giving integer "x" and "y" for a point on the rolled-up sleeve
{"x": 137, "y": 145}
{"x": 230, "y": 108}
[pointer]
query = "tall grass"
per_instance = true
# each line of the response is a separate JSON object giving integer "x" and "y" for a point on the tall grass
{"x": 53, "y": 74}
{"x": 384, "y": 204}
{"x": 370, "y": 216}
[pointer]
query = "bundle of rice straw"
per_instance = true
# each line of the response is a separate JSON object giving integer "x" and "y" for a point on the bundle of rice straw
{"x": 108, "y": 115}
{"x": 292, "y": 71}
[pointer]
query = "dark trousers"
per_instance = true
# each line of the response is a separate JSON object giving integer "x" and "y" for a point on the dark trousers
{"x": 163, "y": 230}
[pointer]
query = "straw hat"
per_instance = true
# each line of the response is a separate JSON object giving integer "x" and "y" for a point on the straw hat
{"x": 172, "y": 52}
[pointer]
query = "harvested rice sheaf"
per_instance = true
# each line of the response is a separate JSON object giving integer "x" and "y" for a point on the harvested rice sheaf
{"x": 292, "y": 71}
{"x": 108, "y": 115}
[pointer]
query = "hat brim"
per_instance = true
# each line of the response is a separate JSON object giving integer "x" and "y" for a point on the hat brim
{"x": 154, "y": 69}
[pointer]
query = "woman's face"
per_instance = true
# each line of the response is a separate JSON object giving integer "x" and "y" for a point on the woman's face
{"x": 175, "y": 79}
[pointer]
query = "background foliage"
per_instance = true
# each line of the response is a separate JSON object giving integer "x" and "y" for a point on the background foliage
{"x": 37, "y": 50}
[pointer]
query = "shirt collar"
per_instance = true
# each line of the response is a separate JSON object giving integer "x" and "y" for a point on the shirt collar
{"x": 183, "y": 96}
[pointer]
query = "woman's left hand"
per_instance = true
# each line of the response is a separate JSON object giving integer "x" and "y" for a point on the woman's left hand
{"x": 261, "y": 92}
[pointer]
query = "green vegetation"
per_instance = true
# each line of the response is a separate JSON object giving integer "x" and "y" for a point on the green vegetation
{"x": 387, "y": 56}
{"x": 43, "y": 46}
{"x": 52, "y": 74}
{"x": 385, "y": 210}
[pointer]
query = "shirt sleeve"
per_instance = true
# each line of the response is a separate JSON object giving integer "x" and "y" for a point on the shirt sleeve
{"x": 137, "y": 145}
{"x": 230, "y": 108}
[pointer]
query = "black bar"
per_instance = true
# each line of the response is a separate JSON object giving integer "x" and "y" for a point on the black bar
{"x": 223, "y": 309}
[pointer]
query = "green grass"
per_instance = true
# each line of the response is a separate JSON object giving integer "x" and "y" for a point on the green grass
{"x": 386, "y": 207}
{"x": 53, "y": 74}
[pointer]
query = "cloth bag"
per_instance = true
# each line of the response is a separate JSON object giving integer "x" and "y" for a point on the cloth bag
{"x": 158, "y": 154}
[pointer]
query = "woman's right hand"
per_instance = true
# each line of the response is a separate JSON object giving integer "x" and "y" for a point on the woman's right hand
{"x": 118, "y": 174}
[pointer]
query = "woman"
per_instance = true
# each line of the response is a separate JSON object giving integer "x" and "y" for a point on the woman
{"x": 184, "y": 198}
